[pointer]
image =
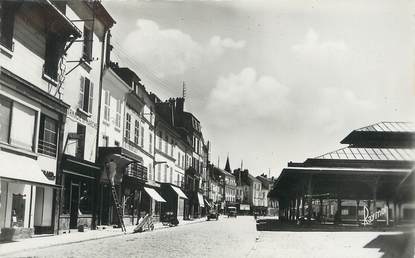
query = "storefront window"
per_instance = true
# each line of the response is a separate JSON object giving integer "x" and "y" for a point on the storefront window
{"x": 85, "y": 200}
{"x": 129, "y": 204}
{"x": 18, "y": 210}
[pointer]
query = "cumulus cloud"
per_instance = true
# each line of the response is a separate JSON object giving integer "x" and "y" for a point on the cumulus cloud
{"x": 334, "y": 108}
{"x": 171, "y": 51}
{"x": 246, "y": 96}
{"x": 321, "y": 62}
{"x": 218, "y": 45}
{"x": 313, "y": 44}
{"x": 167, "y": 51}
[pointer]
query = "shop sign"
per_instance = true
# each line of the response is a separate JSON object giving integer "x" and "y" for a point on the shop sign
{"x": 368, "y": 219}
{"x": 49, "y": 174}
{"x": 77, "y": 118}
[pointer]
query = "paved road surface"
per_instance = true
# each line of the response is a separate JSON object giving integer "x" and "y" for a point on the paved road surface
{"x": 237, "y": 238}
{"x": 223, "y": 238}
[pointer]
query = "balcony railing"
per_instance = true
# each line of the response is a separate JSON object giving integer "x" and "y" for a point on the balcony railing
{"x": 138, "y": 171}
{"x": 46, "y": 148}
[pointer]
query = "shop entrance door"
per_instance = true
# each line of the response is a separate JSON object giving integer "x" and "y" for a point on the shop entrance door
{"x": 74, "y": 206}
{"x": 106, "y": 205}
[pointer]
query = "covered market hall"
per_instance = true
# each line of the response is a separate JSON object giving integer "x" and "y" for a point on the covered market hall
{"x": 364, "y": 183}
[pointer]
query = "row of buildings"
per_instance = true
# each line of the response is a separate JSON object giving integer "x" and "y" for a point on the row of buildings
{"x": 81, "y": 136}
{"x": 240, "y": 189}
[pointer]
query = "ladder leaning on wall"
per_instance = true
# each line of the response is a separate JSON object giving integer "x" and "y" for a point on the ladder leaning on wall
{"x": 118, "y": 206}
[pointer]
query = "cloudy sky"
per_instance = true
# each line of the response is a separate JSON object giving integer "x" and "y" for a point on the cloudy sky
{"x": 273, "y": 81}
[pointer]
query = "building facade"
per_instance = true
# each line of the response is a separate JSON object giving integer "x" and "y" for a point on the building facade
{"x": 81, "y": 91}
{"x": 31, "y": 98}
{"x": 255, "y": 196}
{"x": 189, "y": 129}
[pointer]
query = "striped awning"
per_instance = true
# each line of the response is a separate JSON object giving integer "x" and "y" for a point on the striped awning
{"x": 154, "y": 195}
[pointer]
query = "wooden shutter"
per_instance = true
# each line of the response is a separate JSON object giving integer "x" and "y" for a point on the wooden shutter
{"x": 81, "y": 93}
{"x": 91, "y": 97}
{"x": 142, "y": 136}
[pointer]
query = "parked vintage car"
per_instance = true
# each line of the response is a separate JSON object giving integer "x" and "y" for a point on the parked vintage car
{"x": 213, "y": 215}
{"x": 169, "y": 219}
{"x": 232, "y": 212}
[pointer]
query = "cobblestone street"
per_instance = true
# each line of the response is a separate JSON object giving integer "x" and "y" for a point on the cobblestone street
{"x": 235, "y": 238}
{"x": 222, "y": 238}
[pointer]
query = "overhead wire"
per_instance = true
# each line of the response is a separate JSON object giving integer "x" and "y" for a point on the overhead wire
{"x": 143, "y": 69}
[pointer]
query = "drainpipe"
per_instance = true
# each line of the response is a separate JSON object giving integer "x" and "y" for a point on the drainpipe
{"x": 60, "y": 179}
{"x": 101, "y": 75}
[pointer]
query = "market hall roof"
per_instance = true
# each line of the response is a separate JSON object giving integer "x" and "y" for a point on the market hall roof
{"x": 370, "y": 154}
{"x": 383, "y": 135}
{"x": 382, "y": 154}
{"x": 389, "y": 127}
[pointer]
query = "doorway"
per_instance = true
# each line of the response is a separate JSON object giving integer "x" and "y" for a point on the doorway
{"x": 73, "y": 224}
{"x": 106, "y": 207}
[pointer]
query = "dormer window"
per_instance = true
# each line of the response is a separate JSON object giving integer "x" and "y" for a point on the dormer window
{"x": 87, "y": 49}
{"x": 52, "y": 56}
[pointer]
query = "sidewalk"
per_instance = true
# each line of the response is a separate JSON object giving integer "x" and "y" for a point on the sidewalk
{"x": 37, "y": 242}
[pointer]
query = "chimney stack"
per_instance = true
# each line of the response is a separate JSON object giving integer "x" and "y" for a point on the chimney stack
{"x": 180, "y": 105}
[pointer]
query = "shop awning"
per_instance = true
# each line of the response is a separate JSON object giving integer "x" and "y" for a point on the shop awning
{"x": 200, "y": 198}
{"x": 208, "y": 204}
{"x": 20, "y": 168}
{"x": 154, "y": 195}
{"x": 179, "y": 192}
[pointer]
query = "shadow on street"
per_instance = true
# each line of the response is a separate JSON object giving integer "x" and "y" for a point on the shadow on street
{"x": 394, "y": 246}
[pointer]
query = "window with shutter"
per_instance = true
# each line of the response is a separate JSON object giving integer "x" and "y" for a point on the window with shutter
{"x": 81, "y": 93}
{"x": 52, "y": 56}
{"x": 150, "y": 147}
{"x": 107, "y": 105}
{"x": 136, "y": 131}
{"x": 86, "y": 95}
{"x": 118, "y": 114}
{"x": 127, "y": 126}
{"x": 7, "y": 15}
{"x": 142, "y": 137}
{"x": 91, "y": 97}
{"x": 87, "y": 48}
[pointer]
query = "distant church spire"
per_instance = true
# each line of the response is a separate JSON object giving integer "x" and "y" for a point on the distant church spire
{"x": 228, "y": 166}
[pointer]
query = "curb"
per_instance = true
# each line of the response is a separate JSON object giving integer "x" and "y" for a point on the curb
{"x": 90, "y": 239}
